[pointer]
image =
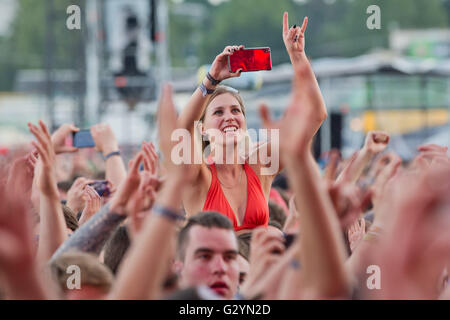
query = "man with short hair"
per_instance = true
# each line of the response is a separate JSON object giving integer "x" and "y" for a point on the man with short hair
{"x": 208, "y": 254}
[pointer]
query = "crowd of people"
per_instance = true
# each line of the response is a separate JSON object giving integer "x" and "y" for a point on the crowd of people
{"x": 368, "y": 227}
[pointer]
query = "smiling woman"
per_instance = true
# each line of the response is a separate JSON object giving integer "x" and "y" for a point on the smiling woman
{"x": 219, "y": 107}
{"x": 232, "y": 186}
{"x": 225, "y": 180}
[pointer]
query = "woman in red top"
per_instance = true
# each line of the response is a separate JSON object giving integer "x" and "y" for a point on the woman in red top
{"x": 223, "y": 181}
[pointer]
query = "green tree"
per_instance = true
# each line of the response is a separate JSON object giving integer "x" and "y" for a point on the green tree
{"x": 336, "y": 28}
{"x": 253, "y": 23}
{"x": 349, "y": 35}
{"x": 25, "y": 48}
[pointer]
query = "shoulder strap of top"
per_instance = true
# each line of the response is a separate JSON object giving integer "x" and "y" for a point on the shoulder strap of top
{"x": 213, "y": 168}
{"x": 248, "y": 169}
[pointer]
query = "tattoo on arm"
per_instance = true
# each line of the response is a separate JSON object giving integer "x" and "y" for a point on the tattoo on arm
{"x": 92, "y": 235}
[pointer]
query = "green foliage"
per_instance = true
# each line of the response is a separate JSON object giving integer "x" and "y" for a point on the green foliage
{"x": 26, "y": 46}
{"x": 336, "y": 29}
{"x": 29, "y": 34}
{"x": 253, "y": 23}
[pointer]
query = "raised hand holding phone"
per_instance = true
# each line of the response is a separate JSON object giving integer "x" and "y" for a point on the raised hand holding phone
{"x": 219, "y": 69}
{"x": 104, "y": 138}
{"x": 59, "y": 138}
{"x": 102, "y": 187}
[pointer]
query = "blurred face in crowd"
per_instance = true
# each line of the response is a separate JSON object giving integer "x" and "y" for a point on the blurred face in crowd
{"x": 225, "y": 115}
{"x": 211, "y": 258}
{"x": 244, "y": 269}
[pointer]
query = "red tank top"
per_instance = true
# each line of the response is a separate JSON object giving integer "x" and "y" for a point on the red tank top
{"x": 257, "y": 210}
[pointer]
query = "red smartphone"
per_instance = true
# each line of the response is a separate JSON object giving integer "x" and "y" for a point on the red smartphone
{"x": 252, "y": 59}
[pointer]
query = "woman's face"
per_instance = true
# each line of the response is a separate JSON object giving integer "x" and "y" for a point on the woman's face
{"x": 224, "y": 114}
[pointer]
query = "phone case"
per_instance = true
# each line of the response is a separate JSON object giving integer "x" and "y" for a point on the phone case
{"x": 83, "y": 139}
{"x": 266, "y": 49}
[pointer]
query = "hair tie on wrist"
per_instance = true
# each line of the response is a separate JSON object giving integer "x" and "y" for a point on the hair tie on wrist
{"x": 109, "y": 155}
{"x": 166, "y": 212}
{"x": 214, "y": 82}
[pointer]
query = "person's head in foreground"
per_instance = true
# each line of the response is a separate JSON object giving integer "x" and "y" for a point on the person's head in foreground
{"x": 208, "y": 254}
{"x": 81, "y": 276}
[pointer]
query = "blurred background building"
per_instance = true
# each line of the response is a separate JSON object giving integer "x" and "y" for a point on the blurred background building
{"x": 394, "y": 79}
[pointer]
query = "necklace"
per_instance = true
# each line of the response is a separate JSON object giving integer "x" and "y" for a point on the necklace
{"x": 240, "y": 177}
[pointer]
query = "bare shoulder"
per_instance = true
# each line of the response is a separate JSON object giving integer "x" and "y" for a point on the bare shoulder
{"x": 194, "y": 195}
{"x": 264, "y": 178}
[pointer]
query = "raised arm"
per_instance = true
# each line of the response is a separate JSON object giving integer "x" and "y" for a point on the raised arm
{"x": 106, "y": 143}
{"x": 93, "y": 204}
{"x": 194, "y": 108}
{"x": 375, "y": 142}
{"x": 92, "y": 235}
{"x": 219, "y": 71}
{"x": 21, "y": 173}
{"x": 294, "y": 41}
{"x": 59, "y": 138}
{"x": 20, "y": 275}
{"x": 52, "y": 232}
{"x": 76, "y": 193}
{"x": 322, "y": 246}
{"x": 323, "y": 252}
{"x": 143, "y": 272}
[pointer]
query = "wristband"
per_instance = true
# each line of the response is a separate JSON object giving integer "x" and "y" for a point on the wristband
{"x": 205, "y": 90}
{"x": 166, "y": 212}
{"x": 114, "y": 153}
{"x": 213, "y": 81}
